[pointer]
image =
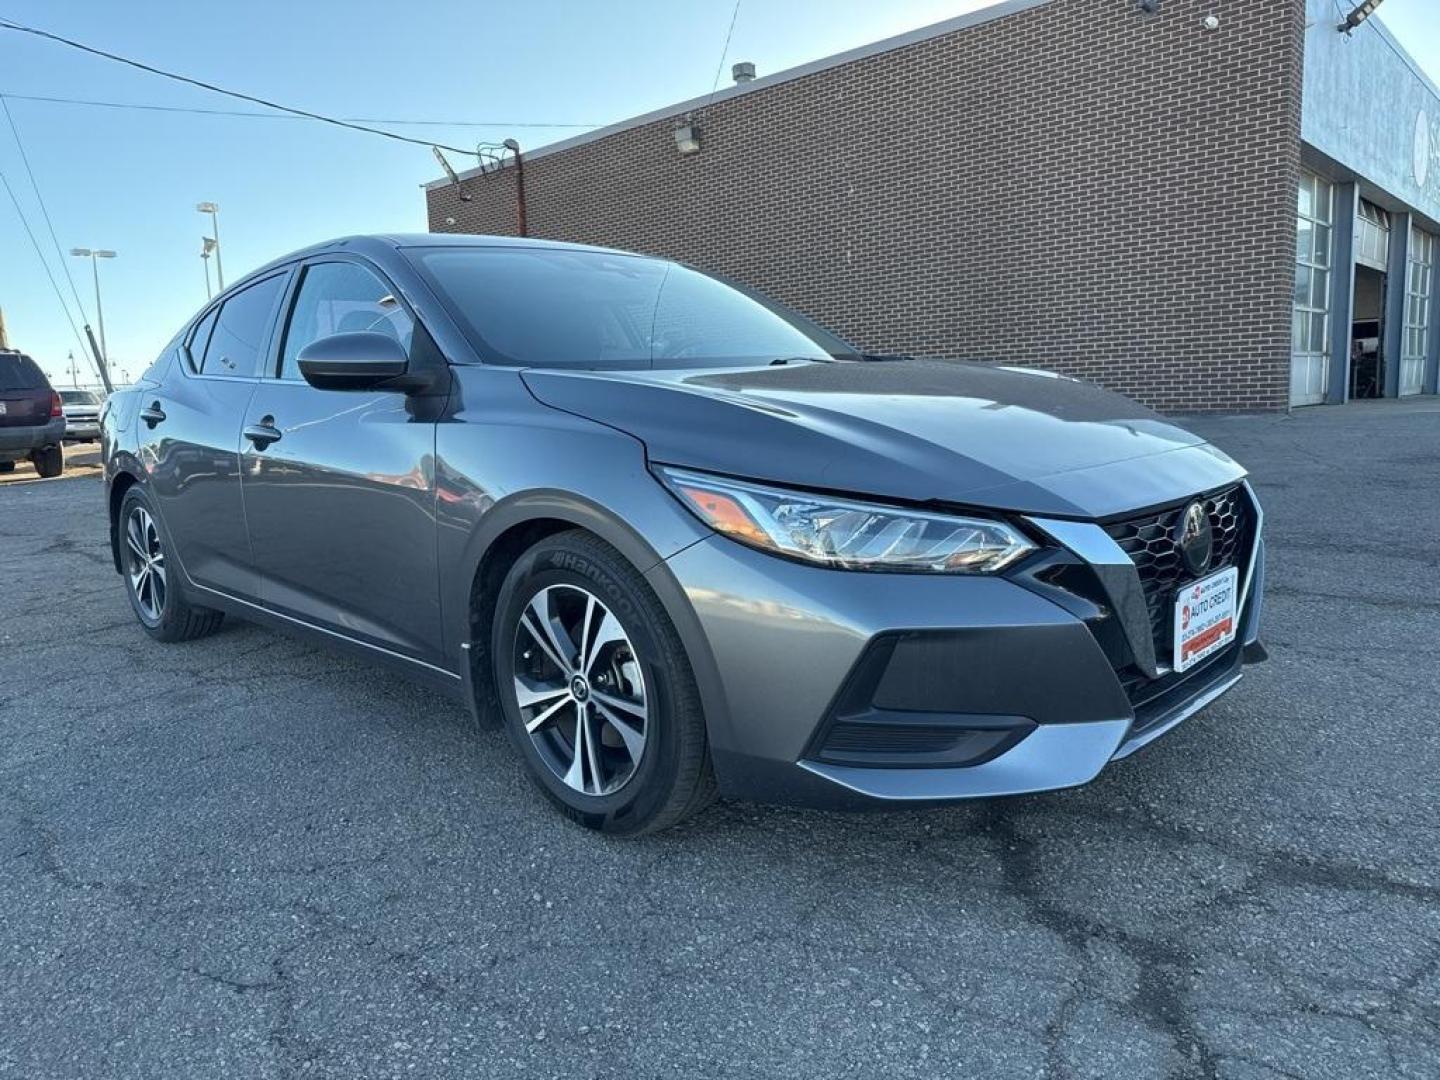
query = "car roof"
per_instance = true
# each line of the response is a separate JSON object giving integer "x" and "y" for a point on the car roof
{"x": 372, "y": 244}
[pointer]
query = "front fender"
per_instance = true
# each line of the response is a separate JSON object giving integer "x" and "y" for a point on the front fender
{"x": 504, "y": 461}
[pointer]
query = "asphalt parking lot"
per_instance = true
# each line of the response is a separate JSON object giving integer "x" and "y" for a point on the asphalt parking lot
{"x": 245, "y": 857}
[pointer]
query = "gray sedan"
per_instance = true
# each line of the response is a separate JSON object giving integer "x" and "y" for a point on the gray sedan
{"x": 676, "y": 538}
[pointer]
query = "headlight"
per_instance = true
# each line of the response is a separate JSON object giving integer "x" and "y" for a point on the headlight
{"x": 844, "y": 534}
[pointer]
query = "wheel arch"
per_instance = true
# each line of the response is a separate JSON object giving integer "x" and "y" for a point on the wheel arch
{"x": 124, "y": 478}
{"x": 512, "y": 526}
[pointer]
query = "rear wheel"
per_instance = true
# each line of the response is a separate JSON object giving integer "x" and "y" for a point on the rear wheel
{"x": 7, "y": 466}
{"x": 155, "y": 594}
{"x": 49, "y": 462}
{"x": 597, "y": 691}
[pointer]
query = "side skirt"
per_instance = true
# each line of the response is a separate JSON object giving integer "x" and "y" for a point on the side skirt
{"x": 437, "y": 678}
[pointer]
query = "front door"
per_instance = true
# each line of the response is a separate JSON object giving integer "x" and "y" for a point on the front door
{"x": 339, "y": 485}
{"x": 189, "y": 432}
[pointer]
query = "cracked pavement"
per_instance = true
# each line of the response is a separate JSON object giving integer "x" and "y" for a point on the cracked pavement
{"x": 252, "y": 858}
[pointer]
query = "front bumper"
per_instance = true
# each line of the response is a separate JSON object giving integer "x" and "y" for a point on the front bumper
{"x": 990, "y": 686}
{"x": 19, "y": 441}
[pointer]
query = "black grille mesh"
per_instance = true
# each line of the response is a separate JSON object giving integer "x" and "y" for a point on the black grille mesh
{"x": 1150, "y": 542}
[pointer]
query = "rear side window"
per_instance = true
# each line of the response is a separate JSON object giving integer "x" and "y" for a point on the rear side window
{"x": 19, "y": 372}
{"x": 201, "y": 338}
{"x": 341, "y": 298}
{"x": 239, "y": 331}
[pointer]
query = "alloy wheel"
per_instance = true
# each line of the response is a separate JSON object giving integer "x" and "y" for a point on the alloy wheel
{"x": 146, "y": 562}
{"x": 580, "y": 690}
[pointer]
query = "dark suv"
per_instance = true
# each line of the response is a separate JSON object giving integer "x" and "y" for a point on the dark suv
{"x": 32, "y": 422}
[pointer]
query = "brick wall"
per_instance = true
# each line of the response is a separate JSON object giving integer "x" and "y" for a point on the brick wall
{"x": 1080, "y": 186}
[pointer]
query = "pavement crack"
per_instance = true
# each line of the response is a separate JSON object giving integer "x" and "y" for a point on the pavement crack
{"x": 1160, "y": 998}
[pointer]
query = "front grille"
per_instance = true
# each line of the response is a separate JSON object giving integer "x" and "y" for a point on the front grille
{"x": 1150, "y": 542}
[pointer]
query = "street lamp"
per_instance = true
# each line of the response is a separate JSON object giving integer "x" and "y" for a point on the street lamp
{"x": 1358, "y": 14}
{"x": 206, "y": 247}
{"x": 93, "y": 254}
{"x": 213, "y": 209}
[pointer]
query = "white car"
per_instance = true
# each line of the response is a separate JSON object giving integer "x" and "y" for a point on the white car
{"x": 82, "y": 415}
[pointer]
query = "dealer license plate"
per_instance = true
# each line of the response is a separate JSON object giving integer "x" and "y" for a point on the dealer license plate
{"x": 1205, "y": 618}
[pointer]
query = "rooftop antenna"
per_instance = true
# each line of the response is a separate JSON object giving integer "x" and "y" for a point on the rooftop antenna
{"x": 451, "y": 173}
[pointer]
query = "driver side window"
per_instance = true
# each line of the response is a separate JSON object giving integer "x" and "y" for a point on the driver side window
{"x": 341, "y": 298}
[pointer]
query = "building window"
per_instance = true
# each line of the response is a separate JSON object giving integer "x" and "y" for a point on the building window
{"x": 1419, "y": 288}
{"x": 1372, "y": 237}
{"x": 1310, "y": 346}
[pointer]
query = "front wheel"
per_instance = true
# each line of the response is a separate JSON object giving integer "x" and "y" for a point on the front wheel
{"x": 597, "y": 691}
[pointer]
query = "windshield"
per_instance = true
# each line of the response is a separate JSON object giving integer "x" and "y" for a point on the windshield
{"x": 557, "y": 308}
{"x": 78, "y": 397}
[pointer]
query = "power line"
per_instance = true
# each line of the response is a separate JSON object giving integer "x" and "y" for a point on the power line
{"x": 251, "y": 113}
{"x": 724, "y": 52}
{"x": 6, "y": 24}
{"x": 44, "y": 212}
{"x": 40, "y": 255}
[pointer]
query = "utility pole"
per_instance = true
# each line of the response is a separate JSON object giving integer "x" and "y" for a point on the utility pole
{"x": 4, "y": 338}
{"x": 99, "y": 361}
{"x": 213, "y": 209}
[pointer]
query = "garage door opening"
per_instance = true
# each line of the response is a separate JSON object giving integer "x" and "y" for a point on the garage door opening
{"x": 1367, "y": 335}
{"x": 1367, "y": 328}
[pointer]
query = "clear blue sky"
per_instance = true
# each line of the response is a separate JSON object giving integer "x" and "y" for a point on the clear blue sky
{"x": 129, "y": 180}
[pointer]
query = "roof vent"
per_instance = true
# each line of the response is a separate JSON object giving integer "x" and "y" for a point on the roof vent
{"x": 743, "y": 72}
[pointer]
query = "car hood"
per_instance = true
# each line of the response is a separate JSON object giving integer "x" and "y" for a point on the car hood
{"x": 920, "y": 431}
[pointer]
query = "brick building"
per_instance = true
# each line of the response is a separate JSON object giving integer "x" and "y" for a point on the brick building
{"x": 1207, "y": 204}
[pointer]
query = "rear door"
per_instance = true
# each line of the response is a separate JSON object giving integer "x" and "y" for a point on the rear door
{"x": 340, "y": 485}
{"x": 189, "y": 428}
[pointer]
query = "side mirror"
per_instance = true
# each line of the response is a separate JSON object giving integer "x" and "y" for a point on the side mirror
{"x": 360, "y": 361}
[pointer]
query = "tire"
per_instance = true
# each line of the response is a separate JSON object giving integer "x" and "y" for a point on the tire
{"x": 643, "y": 695}
{"x": 7, "y": 466}
{"x": 49, "y": 462}
{"x": 154, "y": 591}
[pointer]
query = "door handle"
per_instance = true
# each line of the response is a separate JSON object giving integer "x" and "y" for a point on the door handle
{"x": 264, "y": 433}
{"x": 152, "y": 414}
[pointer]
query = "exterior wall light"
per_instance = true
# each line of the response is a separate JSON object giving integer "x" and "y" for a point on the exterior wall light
{"x": 687, "y": 139}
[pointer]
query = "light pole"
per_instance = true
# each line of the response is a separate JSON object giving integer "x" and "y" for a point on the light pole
{"x": 213, "y": 209}
{"x": 93, "y": 254}
{"x": 206, "y": 247}
{"x": 74, "y": 370}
